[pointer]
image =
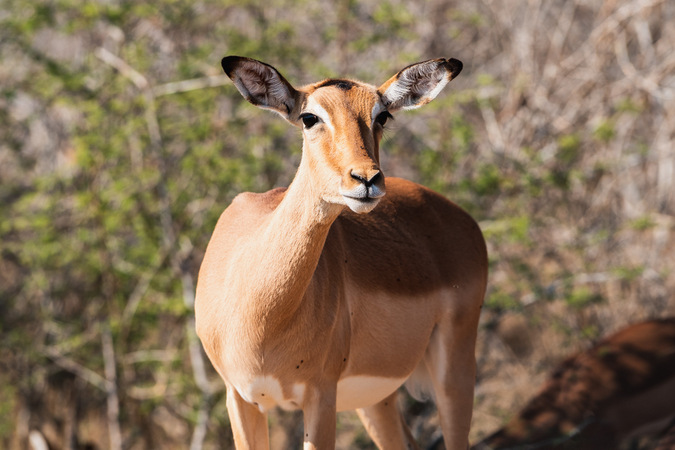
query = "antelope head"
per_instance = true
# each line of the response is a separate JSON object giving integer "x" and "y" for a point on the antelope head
{"x": 342, "y": 121}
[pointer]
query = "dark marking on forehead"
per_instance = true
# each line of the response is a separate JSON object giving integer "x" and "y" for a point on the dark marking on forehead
{"x": 345, "y": 85}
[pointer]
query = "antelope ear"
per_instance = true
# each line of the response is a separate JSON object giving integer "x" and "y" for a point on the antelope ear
{"x": 261, "y": 84}
{"x": 418, "y": 84}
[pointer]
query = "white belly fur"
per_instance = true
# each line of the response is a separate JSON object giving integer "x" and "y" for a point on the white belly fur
{"x": 265, "y": 392}
{"x": 352, "y": 392}
{"x": 362, "y": 390}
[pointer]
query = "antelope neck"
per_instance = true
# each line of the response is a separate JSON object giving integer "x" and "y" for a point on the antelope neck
{"x": 290, "y": 247}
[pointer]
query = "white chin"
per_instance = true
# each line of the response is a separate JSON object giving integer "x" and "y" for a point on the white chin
{"x": 361, "y": 206}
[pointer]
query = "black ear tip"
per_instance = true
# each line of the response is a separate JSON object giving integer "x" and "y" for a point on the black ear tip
{"x": 229, "y": 62}
{"x": 455, "y": 66}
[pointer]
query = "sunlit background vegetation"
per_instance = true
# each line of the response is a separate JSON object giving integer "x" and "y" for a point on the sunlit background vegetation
{"x": 121, "y": 142}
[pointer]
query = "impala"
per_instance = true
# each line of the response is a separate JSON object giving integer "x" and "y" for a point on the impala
{"x": 329, "y": 295}
{"x": 618, "y": 389}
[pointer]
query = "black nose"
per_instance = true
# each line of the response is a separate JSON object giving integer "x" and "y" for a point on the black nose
{"x": 367, "y": 182}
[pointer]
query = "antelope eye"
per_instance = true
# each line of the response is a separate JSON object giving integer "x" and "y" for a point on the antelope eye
{"x": 382, "y": 118}
{"x": 309, "y": 120}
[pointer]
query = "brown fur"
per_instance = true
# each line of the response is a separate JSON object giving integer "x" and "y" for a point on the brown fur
{"x": 296, "y": 287}
{"x": 602, "y": 395}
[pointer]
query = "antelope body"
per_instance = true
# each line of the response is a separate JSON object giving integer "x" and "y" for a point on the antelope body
{"x": 619, "y": 388}
{"x": 329, "y": 295}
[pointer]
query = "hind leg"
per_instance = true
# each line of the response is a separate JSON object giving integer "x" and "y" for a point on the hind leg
{"x": 386, "y": 426}
{"x": 451, "y": 363}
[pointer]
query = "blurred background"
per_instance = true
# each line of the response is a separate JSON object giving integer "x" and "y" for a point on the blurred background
{"x": 121, "y": 142}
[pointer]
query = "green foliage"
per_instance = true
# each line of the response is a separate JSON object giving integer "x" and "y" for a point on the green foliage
{"x": 8, "y": 402}
{"x": 568, "y": 148}
{"x": 392, "y": 16}
{"x": 488, "y": 180}
{"x": 629, "y": 105}
{"x": 628, "y": 273}
{"x": 591, "y": 332}
{"x": 485, "y": 79}
{"x": 605, "y": 131}
{"x": 643, "y": 223}
{"x": 500, "y": 302}
{"x": 514, "y": 229}
{"x": 582, "y": 297}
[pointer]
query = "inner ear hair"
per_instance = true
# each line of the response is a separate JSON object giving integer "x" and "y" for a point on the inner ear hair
{"x": 260, "y": 84}
{"x": 418, "y": 84}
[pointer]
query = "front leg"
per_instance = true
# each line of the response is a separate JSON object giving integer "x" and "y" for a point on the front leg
{"x": 319, "y": 413}
{"x": 249, "y": 425}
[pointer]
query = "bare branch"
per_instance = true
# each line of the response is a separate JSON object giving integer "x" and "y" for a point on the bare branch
{"x": 190, "y": 85}
{"x": 113, "y": 402}
{"x": 494, "y": 132}
{"x": 149, "y": 355}
{"x": 77, "y": 369}
{"x": 199, "y": 434}
{"x": 122, "y": 67}
{"x": 168, "y": 241}
{"x": 141, "y": 288}
{"x": 37, "y": 441}
{"x": 195, "y": 350}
